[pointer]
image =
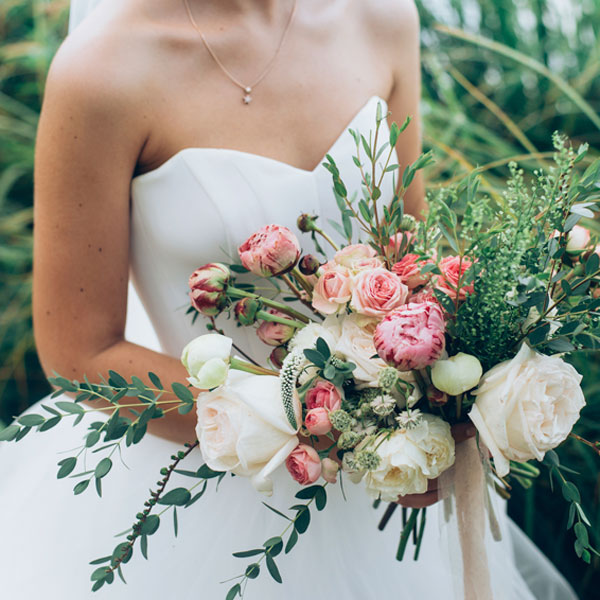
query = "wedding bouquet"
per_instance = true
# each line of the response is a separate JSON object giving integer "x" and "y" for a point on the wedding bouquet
{"x": 410, "y": 328}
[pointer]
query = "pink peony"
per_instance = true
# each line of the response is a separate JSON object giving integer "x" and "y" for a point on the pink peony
{"x": 323, "y": 395}
{"x": 317, "y": 421}
{"x": 208, "y": 285}
{"x": 348, "y": 256}
{"x": 275, "y": 334}
{"x": 453, "y": 269}
{"x": 409, "y": 271}
{"x": 411, "y": 337}
{"x": 272, "y": 250}
{"x": 329, "y": 470}
{"x": 377, "y": 292}
{"x": 333, "y": 289}
{"x": 304, "y": 464}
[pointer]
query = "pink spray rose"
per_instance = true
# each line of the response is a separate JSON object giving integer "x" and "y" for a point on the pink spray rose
{"x": 317, "y": 421}
{"x": 329, "y": 470}
{"x": 207, "y": 288}
{"x": 272, "y": 250}
{"x": 304, "y": 464}
{"x": 323, "y": 395}
{"x": 411, "y": 337}
{"x": 333, "y": 289}
{"x": 377, "y": 292}
{"x": 275, "y": 334}
{"x": 453, "y": 269}
{"x": 423, "y": 295}
{"x": 578, "y": 239}
{"x": 408, "y": 268}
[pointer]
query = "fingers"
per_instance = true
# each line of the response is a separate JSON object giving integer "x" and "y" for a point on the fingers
{"x": 419, "y": 500}
{"x": 463, "y": 431}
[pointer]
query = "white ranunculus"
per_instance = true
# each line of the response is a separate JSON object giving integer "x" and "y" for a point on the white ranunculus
{"x": 410, "y": 458}
{"x": 457, "y": 374}
{"x": 206, "y": 359}
{"x": 526, "y": 406}
{"x": 356, "y": 344}
{"x": 242, "y": 428}
{"x": 306, "y": 337}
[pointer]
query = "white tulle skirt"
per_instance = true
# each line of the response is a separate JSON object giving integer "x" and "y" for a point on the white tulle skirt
{"x": 48, "y": 536}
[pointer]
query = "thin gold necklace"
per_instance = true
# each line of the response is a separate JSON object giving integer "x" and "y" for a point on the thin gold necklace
{"x": 247, "y": 89}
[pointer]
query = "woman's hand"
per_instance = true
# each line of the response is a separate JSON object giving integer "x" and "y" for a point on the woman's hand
{"x": 460, "y": 433}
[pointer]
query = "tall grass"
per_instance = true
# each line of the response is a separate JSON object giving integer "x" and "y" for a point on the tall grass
{"x": 499, "y": 77}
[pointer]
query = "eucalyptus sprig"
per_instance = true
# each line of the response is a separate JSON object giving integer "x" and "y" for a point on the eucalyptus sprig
{"x": 328, "y": 365}
{"x": 274, "y": 545}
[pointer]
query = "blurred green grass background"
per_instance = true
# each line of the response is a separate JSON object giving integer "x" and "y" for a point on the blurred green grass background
{"x": 498, "y": 78}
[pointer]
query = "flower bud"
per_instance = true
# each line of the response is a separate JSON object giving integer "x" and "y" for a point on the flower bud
{"x": 457, "y": 374}
{"x": 275, "y": 334}
{"x": 277, "y": 356}
{"x": 349, "y": 439}
{"x": 306, "y": 223}
{"x": 408, "y": 223}
{"x": 208, "y": 286}
{"x": 309, "y": 264}
{"x": 436, "y": 397}
{"x": 273, "y": 250}
{"x": 206, "y": 359}
{"x": 245, "y": 310}
{"x": 317, "y": 421}
{"x": 578, "y": 239}
{"x": 329, "y": 470}
{"x": 341, "y": 420}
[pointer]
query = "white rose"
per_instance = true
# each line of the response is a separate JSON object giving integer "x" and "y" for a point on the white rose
{"x": 206, "y": 359}
{"x": 410, "y": 458}
{"x": 356, "y": 344}
{"x": 526, "y": 406}
{"x": 306, "y": 337}
{"x": 242, "y": 428}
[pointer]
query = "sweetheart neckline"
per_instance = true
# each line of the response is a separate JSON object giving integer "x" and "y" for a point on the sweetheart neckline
{"x": 196, "y": 149}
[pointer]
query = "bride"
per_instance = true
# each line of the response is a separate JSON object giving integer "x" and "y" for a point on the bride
{"x": 170, "y": 131}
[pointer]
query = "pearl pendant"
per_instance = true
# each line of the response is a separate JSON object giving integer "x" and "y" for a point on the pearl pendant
{"x": 247, "y": 98}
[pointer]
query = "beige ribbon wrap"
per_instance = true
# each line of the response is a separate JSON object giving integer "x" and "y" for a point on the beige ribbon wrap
{"x": 464, "y": 490}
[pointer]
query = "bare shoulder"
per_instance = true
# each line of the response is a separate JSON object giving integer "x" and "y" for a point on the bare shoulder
{"x": 391, "y": 22}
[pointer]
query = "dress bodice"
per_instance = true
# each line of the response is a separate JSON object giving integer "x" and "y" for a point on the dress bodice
{"x": 201, "y": 204}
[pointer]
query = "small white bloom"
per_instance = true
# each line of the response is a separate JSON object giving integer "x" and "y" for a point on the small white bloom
{"x": 457, "y": 374}
{"x": 383, "y": 405}
{"x": 526, "y": 406}
{"x": 408, "y": 419}
{"x": 206, "y": 359}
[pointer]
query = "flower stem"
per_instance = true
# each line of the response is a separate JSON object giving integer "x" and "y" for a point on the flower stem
{"x": 326, "y": 237}
{"x": 241, "y": 365}
{"x": 284, "y": 308}
{"x": 266, "y": 316}
{"x": 302, "y": 281}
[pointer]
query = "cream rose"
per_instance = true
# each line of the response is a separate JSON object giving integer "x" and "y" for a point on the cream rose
{"x": 526, "y": 406}
{"x": 242, "y": 428}
{"x": 356, "y": 344}
{"x": 410, "y": 458}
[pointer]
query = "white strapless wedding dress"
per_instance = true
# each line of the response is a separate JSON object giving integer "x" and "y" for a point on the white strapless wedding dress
{"x": 197, "y": 208}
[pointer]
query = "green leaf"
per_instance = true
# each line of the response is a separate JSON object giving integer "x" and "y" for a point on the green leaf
{"x": 394, "y": 133}
{"x": 197, "y": 496}
{"x": 570, "y": 492}
{"x": 274, "y": 545}
{"x": 150, "y": 525}
{"x": 184, "y": 409}
{"x": 99, "y": 573}
{"x": 175, "y": 524}
{"x": 273, "y": 570}
{"x": 592, "y": 264}
{"x": 561, "y": 344}
{"x": 248, "y": 553}
{"x": 292, "y": 541}
{"x": 582, "y": 533}
{"x": 81, "y": 487}
{"x": 308, "y": 492}
{"x": 178, "y": 497}
{"x": 155, "y": 380}
{"x": 234, "y": 591}
{"x": 66, "y": 467}
{"x": 321, "y": 498}
{"x": 252, "y": 571}
{"x": 100, "y": 561}
{"x": 31, "y": 420}
{"x": 102, "y": 468}
{"x": 99, "y": 487}
{"x": 70, "y": 407}
{"x": 323, "y": 348}
{"x": 315, "y": 357}
{"x": 449, "y": 238}
{"x": 92, "y": 438}
{"x": 302, "y": 521}
{"x": 182, "y": 392}
{"x": 144, "y": 546}
{"x": 116, "y": 380}
{"x": 9, "y": 433}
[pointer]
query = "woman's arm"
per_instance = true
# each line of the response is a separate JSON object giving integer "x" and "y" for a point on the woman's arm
{"x": 92, "y": 129}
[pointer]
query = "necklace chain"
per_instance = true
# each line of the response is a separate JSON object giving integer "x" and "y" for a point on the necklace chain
{"x": 247, "y": 89}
